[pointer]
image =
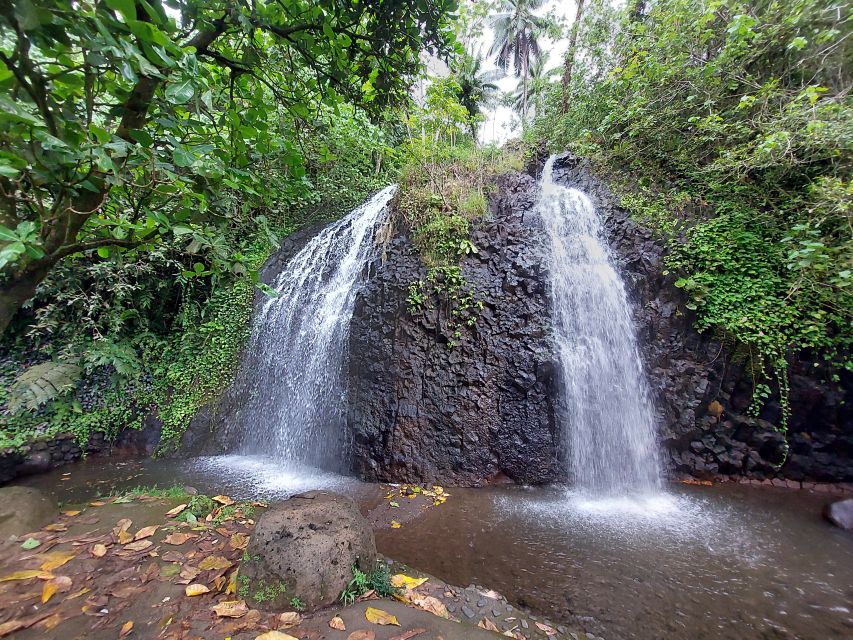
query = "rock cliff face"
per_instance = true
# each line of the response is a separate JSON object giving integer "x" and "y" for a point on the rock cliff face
{"x": 488, "y": 409}
{"x": 483, "y": 410}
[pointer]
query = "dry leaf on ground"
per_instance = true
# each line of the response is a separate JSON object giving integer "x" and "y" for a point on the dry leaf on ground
{"x": 139, "y": 545}
{"x": 56, "y": 527}
{"x": 337, "y": 623}
{"x": 196, "y": 590}
{"x": 56, "y": 559}
{"x": 275, "y": 635}
{"x": 71, "y": 514}
{"x": 290, "y": 619}
{"x": 211, "y": 563}
{"x": 178, "y": 538}
{"x": 59, "y": 584}
{"x": 231, "y": 609}
{"x": 171, "y": 513}
{"x": 26, "y": 575}
{"x": 146, "y": 532}
{"x": 488, "y": 625}
{"x": 544, "y": 628}
{"x": 238, "y": 541}
{"x": 406, "y": 635}
{"x": 431, "y": 604}
{"x": 125, "y": 629}
{"x": 377, "y": 616}
{"x": 223, "y": 500}
{"x": 99, "y": 550}
{"x": 362, "y": 635}
{"x": 402, "y": 581}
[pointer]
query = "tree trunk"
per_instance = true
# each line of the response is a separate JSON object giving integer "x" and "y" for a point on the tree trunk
{"x": 17, "y": 288}
{"x": 570, "y": 57}
{"x": 524, "y": 90}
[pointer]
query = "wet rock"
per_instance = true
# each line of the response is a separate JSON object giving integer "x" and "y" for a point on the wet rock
{"x": 840, "y": 513}
{"x": 305, "y": 547}
{"x": 469, "y": 613}
{"x": 23, "y": 510}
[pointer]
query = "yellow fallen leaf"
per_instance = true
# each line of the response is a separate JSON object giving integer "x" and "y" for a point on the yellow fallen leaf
{"x": 544, "y": 628}
{"x": 488, "y": 625}
{"x": 146, "y": 532}
{"x": 56, "y": 527}
{"x": 99, "y": 550}
{"x": 71, "y": 514}
{"x": 54, "y": 585}
{"x": 77, "y": 594}
{"x": 26, "y": 575}
{"x": 231, "y": 609}
{"x": 50, "y": 622}
{"x": 223, "y": 500}
{"x": 337, "y": 623}
{"x": 56, "y": 559}
{"x": 171, "y": 513}
{"x": 402, "y": 581}
{"x": 377, "y": 616}
{"x": 275, "y": 635}
{"x": 290, "y": 619}
{"x": 124, "y": 536}
{"x": 196, "y": 590}
{"x": 97, "y": 503}
{"x": 125, "y": 629}
{"x": 231, "y": 589}
{"x": 395, "y": 524}
{"x": 214, "y": 562}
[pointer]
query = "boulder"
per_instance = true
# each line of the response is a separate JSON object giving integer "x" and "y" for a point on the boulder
{"x": 840, "y": 513}
{"x": 305, "y": 548}
{"x": 24, "y": 509}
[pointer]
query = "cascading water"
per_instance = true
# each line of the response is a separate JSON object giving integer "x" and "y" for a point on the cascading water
{"x": 296, "y": 397}
{"x": 611, "y": 435}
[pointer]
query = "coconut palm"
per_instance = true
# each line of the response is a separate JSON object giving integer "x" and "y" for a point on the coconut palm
{"x": 477, "y": 87}
{"x": 540, "y": 78}
{"x": 516, "y": 43}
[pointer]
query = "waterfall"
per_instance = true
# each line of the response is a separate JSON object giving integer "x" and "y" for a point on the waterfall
{"x": 610, "y": 433}
{"x": 293, "y": 371}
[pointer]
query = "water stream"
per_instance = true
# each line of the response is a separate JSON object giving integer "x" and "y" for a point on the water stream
{"x": 611, "y": 435}
{"x": 292, "y": 376}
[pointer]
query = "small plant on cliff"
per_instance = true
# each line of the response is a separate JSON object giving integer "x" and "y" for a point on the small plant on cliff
{"x": 378, "y": 580}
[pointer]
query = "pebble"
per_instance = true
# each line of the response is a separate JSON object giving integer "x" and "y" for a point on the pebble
{"x": 451, "y": 608}
{"x": 496, "y": 613}
{"x": 467, "y": 611}
{"x": 509, "y": 608}
{"x": 481, "y": 603}
{"x": 524, "y": 624}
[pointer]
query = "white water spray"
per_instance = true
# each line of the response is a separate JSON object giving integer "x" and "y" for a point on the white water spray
{"x": 295, "y": 407}
{"x": 611, "y": 434}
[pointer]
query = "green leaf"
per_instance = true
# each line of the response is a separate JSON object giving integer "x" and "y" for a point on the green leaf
{"x": 142, "y": 137}
{"x": 30, "y": 543}
{"x": 104, "y": 252}
{"x": 180, "y": 93}
{"x": 127, "y": 8}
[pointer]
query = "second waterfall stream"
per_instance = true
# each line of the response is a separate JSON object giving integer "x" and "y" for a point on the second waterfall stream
{"x": 611, "y": 447}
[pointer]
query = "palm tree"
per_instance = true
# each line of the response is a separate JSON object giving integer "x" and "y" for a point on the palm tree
{"x": 477, "y": 87}
{"x": 539, "y": 80}
{"x": 517, "y": 30}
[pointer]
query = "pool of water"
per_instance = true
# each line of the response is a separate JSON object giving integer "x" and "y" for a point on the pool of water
{"x": 692, "y": 563}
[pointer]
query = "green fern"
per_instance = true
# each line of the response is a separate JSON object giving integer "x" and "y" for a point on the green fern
{"x": 41, "y": 383}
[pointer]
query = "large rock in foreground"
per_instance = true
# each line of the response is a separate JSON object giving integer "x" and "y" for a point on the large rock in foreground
{"x": 305, "y": 548}
{"x": 840, "y": 513}
{"x": 24, "y": 509}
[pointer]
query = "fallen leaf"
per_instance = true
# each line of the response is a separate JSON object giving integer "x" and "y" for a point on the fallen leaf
{"x": 411, "y": 633}
{"x": 196, "y": 590}
{"x": 232, "y": 583}
{"x": 231, "y": 609}
{"x": 21, "y": 623}
{"x": 275, "y": 635}
{"x": 219, "y": 582}
{"x": 51, "y": 621}
{"x": 362, "y": 635}
{"x": 56, "y": 527}
{"x": 170, "y": 570}
{"x": 488, "y": 625}
{"x": 145, "y": 532}
{"x": 377, "y": 616}
{"x": 30, "y": 543}
{"x": 140, "y": 545}
{"x": 337, "y": 623}
{"x": 97, "y": 503}
{"x": 124, "y": 536}
{"x": 402, "y": 581}
{"x": 431, "y": 604}
{"x": 214, "y": 562}
{"x": 99, "y": 550}
{"x": 238, "y": 541}
{"x": 223, "y": 500}
{"x": 189, "y": 572}
{"x": 77, "y": 594}
{"x": 290, "y": 619}
{"x": 177, "y": 538}
{"x": 71, "y": 514}
{"x": 26, "y": 575}
{"x": 59, "y": 584}
{"x": 56, "y": 559}
{"x": 171, "y": 513}
{"x": 544, "y": 628}
{"x": 393, "y": 504}
{"x": 123, "y": 525}
{"x": 125, "y": 629}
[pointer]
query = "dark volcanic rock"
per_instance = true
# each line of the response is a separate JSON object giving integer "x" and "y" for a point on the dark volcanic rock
{"x": 305, "y": 547}
{"x": 478, "y": 412}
